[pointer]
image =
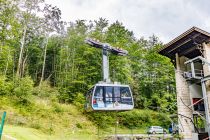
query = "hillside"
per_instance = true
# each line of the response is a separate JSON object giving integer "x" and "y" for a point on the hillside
{"x": 46, "y": 120}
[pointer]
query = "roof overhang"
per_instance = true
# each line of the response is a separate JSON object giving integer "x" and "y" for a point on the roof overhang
{"x": 186, "y": 44}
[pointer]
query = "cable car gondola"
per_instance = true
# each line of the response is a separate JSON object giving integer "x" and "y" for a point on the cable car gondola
{"x": 105, "y": 95}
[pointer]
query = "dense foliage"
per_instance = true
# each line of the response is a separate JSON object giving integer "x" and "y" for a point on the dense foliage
{"x": 33, "y": 62}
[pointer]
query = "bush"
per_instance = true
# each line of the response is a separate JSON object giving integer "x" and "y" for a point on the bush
{"x": 135, "y": 118}
{"x": 35, "y": 125}
{"x": 5, "y": 87}
{"x": 70, "y": 92}
{"x": 20, "y": 120}
{"x": 57, "y": 108}
{"x": 23, "y": 89}
{"x": 45, "y": 90}
{"x": 79, "y": 125}
{"x": 129, "y": 119}
{"x": 64, "y": 96}
{"x": 102, "y": 119}
{"x": 79, "y": 100}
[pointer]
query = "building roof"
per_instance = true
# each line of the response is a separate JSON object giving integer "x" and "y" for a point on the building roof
{"x": 186, "y": 44}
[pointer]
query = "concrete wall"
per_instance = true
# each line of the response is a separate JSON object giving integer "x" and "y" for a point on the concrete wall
{"x": 183, "y": 94}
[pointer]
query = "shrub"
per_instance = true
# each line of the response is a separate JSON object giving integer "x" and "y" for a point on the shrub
{"x": 57, "y": 108}
{"x": 70, "y": 92}
{"x": 102, "y": 119}
{"x": 79, "y": 100}
{"x": 36, "y": 125}
{"x": 79, "y": 125}
{"x": 23, "y": 89}
{"x": 45, "y": 90}
{"x": 130, "y": 119}
{"x": 5, "y": 87}
{"x": 20, "y": 121}
{"x": 135, "y": 118}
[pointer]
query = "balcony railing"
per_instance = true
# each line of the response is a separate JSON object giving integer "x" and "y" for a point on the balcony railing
{"x": 196, "y": 74}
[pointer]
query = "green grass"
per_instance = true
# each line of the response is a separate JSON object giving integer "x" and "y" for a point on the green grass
{"x": 131, "y": 131}
{"x": 118, "y": 130}
{"x": 44, "y": 119}
{"x": 23, "y": 133}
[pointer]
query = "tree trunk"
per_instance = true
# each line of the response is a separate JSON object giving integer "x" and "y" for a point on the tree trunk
{"x": 23, "y": 66}
{"x": 60, "y": 69}
{"x": 66, "y": 64}
{"x": 18, "y": 74}
{"x": 72, "y": 69}
{"x": 6, "y": 68}
{"x": 44, "y": 61}
{"x": 55, "y": 66}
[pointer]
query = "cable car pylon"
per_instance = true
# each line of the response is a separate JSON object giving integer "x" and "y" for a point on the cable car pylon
{"x": 105, "y": 49}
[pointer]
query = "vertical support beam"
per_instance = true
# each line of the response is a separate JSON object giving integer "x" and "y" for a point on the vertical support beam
{"x": 206, "y": 84}
{"x": 206, "y": 68}
{"x": 192, "y": 69}
{"x": 177, "y": 62}
{"x": 105, "y": 65}
{"x": 206, "y": 106}
{"x": 2, "y": 124}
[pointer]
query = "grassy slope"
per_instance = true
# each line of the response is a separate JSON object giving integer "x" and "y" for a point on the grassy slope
{"x": 24, "y": 133}
{"x": 46, "y": 120}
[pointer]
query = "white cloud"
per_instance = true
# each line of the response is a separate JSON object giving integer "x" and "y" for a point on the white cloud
{"x": 164, "y": 18}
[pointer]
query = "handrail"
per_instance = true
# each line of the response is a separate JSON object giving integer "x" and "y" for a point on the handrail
{"x": 197, "y": 72}
{"x": 198, "y": 58}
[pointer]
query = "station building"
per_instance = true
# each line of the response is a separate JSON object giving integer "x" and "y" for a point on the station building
{"x": 190, "y": 55}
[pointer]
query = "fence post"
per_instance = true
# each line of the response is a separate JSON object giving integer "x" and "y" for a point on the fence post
{"x": 132, "y": 132}
{"x": 98, "y": 131}
{"x": 2, "y": 124}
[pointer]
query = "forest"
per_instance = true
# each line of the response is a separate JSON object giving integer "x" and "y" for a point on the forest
{"x": 45, "y": 58}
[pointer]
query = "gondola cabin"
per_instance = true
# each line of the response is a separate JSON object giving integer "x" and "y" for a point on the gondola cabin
{"x": 109, "y": 97}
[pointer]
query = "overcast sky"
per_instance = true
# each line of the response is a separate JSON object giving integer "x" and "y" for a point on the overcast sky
{"x": 164, "y": 18}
